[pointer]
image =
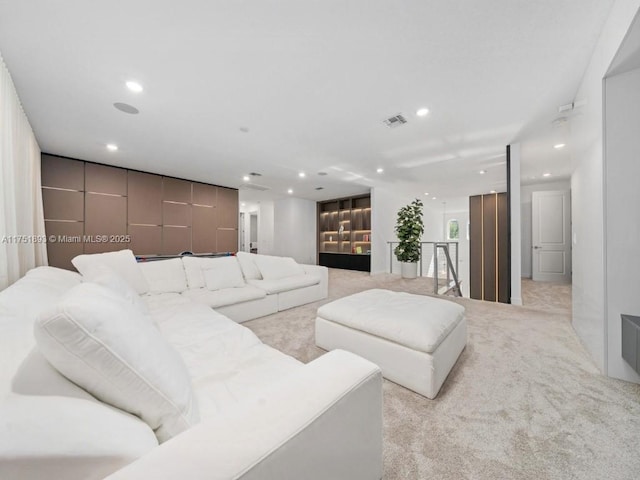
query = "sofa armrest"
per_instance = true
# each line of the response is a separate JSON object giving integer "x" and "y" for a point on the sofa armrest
{"x": 70, "y": 438}
{"x": 322, "y": 272}
{"x": 322, "y": 421}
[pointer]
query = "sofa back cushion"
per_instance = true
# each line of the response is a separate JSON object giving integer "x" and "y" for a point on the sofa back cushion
{"x": 122, "y": 262}
{"x": 164, "y": 276}
{"x": 193, "y": 267}
{"x": 105, "y": 276}
{"x": 248, "y": 265}
{"x": 223, "y": 272}
{"x": 275, "y": 268}
{"x": 96, "y": 339}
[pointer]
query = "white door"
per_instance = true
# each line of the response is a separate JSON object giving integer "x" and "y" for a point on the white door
{"x": 551, "y": 236}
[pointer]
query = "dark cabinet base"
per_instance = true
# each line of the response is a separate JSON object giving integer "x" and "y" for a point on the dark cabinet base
{"x": 346, "y": 261}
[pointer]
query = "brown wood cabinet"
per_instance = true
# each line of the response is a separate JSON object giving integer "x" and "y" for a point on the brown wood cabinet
{"x": 489, "y": 262}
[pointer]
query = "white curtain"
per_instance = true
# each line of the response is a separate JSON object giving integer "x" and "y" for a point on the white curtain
{"x": 22, "y": 233}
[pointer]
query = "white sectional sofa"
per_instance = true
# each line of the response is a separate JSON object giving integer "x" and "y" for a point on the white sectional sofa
{"x": 98, "y": 380}
{"x": 241, "y": 287}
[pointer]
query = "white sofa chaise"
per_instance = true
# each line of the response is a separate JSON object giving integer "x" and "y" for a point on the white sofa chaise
{"x": 247, "y": 411}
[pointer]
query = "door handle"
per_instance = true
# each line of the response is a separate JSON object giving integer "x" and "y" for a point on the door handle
{"x": 536, "y": 247}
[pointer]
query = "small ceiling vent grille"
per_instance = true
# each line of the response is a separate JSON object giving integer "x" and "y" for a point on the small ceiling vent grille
{"x": 319, "y": 188}
{"x": 254, "y": 186}
{"x": 395, "y": 121}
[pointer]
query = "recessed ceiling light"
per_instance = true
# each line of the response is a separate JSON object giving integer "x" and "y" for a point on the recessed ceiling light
{"x": 112, "y": 147}
{"x": 246, "y": 178}
{"x": 134, "y": 86}
{"x": 379, "y": 170}
{"x": 559, "y": 145}
{"x": 433, "y": 198}
{"x": 482, "y": 172}
{"x": 243, "y": 204}
{"x": 290, "y": 191}
{"x": 302, "y": 174}
{"x": 492, "y": 191}
{"x": 426, "y": 193}
{"x": 546, "y": 174}
{"x": 422, "y": 112}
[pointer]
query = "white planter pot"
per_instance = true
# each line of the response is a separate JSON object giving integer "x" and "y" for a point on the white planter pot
{"x": 409, "y": 269}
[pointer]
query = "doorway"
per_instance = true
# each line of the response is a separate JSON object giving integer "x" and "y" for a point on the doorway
{"x": 253, "y": 232}
{"x": 551, "y": 236}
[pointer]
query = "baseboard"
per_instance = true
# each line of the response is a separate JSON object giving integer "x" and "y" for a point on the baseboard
{"x": 516, "y": 301}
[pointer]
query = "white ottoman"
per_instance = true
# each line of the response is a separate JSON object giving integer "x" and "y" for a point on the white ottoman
{"x": 414, "y": 339}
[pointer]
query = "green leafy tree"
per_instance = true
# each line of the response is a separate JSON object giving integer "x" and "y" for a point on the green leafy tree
{"x": 409, "y": 229}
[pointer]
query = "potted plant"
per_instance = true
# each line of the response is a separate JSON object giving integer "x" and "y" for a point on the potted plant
{"x": 409, "y": 229}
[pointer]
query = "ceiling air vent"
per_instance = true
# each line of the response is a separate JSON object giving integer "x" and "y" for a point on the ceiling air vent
{"x": 395, "y": 121}
{"x": 319, "y": 188}
{"x": 254, "y": 186}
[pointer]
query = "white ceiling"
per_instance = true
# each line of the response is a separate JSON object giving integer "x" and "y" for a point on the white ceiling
{"x": 312, "y": 82}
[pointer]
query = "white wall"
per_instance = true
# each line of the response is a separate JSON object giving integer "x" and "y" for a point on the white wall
{"x": 295, "y": 229}
{"x": 265, "y": 227}
{"x": 622, "y": 222}
{"x": 515, "y": 222}
{"x": 587, "y": 187}
{"x": 526, "y": 213}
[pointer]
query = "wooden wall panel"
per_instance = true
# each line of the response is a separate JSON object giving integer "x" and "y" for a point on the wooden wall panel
{"x": 176, "y": 214}
{"x": 489, "y": 262}
{"x": 105, "y": 179}
{"x": 63, "y": 204}
{"x": 475, "y": 247}
{"x": 145, "y": 238}
{"x": 161, "y": 215}
{"x": 105, "y": 215}
{"x": 227, "y": 208}
{"x": 67, "y": 244}
{"x": 59, "y": 172}
{"x": 504, "y": 267}
{"x": 144, "y": 205}
{"x": 175, "y": 240}
{"x": 227, "y": 240}
{"x": 205, "y": 194}
{"x": 489, "y": 238}
{"x": 203, "y": 231}
{"x": 176, "y": 190}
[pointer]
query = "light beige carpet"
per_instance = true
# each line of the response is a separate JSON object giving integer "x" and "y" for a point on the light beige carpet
{"x": 524, "y": 400}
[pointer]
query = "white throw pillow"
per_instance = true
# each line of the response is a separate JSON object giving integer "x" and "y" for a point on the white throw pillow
{"x": 123, "y": 263}
{"x": 105, "y": 276}
{"x": 164, "y": 276}
{"x": 223, "y": 272}
{"x": 97, "y": 340}
{"x": 275, "y": 268}
{"x": 249, "y": 268}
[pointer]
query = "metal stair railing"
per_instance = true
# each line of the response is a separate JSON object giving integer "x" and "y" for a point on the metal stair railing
{"x": 452, "y": 284}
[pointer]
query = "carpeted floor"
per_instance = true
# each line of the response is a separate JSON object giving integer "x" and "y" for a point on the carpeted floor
{"x": 524, "y": 400}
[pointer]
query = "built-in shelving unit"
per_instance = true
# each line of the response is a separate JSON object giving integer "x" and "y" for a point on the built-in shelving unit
{"x": 344, "y": 238}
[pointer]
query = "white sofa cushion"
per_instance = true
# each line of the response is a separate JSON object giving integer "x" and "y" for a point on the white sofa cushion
{"x": 224, "y": 296}
{"x": 193, "y": 267}
{"x": 286, "y": 283}
{"x": 222, "y": 273}
{"x": 123, "y": 262}
{"x": 164, "y": 276}
{"x": 100, "y": 342}
{"x": 105, "y": 276}
{"x": 249, "y": 268}
{"x": 275, "y": 268}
